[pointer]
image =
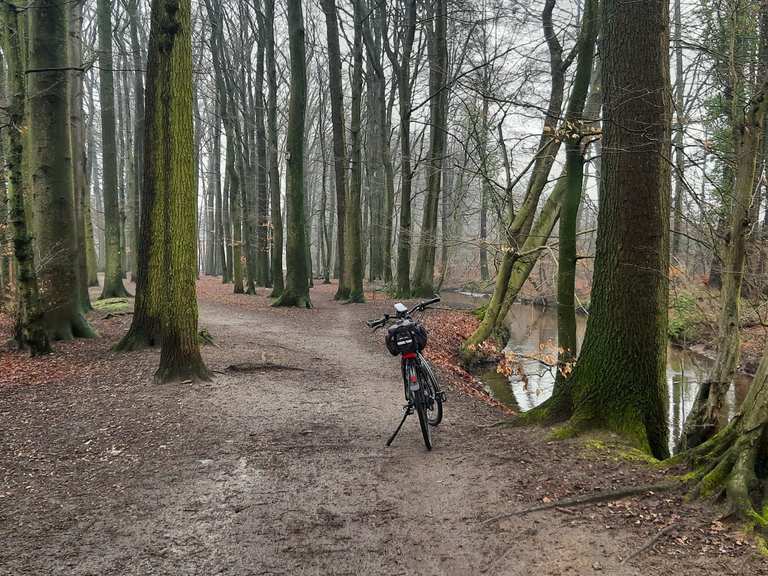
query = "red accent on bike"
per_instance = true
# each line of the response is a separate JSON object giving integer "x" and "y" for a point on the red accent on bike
{"x": 409, "y": 355}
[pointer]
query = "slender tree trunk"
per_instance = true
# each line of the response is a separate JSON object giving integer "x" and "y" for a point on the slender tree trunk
{"x": 438, "y": 72}
{"x": 296, "y": 291}
{"x": 113, "y": 272}
{"x": 353, "y": 266}
{"x": 272, "y": 160}
{"x": 337, "y": 121}
{"x": 138, "y": 123}
{"x": 403, "y": 70}
{"x": 77, "y": 143}
{"x": 677, "y": 219}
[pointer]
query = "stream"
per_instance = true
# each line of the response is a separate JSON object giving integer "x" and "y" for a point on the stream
{"x": 533, "y": 333}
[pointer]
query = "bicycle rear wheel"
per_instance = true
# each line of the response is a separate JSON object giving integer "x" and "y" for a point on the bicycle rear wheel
{"x": 420, "y": 404}
{"x": 432, "y": 393}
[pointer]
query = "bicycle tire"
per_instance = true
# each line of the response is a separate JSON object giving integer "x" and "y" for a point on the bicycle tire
{"x": 432, "y": 388}
{"x": 421, "y": 410}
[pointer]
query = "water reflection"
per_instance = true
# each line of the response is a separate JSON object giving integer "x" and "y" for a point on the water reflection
{"x": 533, "y": 333}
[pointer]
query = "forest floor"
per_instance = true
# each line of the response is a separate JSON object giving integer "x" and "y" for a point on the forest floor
{"x": 282, "y": 469}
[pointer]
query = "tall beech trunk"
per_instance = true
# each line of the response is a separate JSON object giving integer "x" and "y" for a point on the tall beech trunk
{"x": 276, "y": 217}
{"x": 261, "y": 164}
{"x": 424, "y": 272}
{"x": 339, "y": 146}
{"x": 619, "y": 382}
{"x": 132, "y": 8}
{"x": 113, "y": 271}
{"x": 296, "y": 291}
{"x": 50, "y": 166}
{"x": 77, "y": 143}
{"x": 353, "y": 265}
{"x": 403, "y": 72}
{"x": 30, "y": 332}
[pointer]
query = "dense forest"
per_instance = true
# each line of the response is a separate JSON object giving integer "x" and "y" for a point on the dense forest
{"x": 604, "y": 158}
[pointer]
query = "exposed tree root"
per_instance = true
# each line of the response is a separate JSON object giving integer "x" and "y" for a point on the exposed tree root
{"x": 602, "y": 496}
{"x": 289, "y": 299}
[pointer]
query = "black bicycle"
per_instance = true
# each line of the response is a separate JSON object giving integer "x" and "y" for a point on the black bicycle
{"x": 406, "y": 338}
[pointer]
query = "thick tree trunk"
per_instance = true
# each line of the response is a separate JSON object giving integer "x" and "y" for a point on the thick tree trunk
{"x": 50, "y": 165}
{"x": 113, "y": 271}
{"x": 296, "y": 291}
{"x": 171, "y": 138}
{"x": 619, "y": 381}
{"x": 30, "y": 331}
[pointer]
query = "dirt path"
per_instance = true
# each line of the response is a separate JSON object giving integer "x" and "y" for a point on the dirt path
{"x": 284, "y": 471}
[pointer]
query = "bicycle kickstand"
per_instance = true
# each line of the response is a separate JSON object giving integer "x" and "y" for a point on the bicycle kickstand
{"x": 406, "y": 412}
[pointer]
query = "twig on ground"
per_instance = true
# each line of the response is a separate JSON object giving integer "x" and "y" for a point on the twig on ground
{"x": 650, "y": 543}
{"x": 602, "y": 496}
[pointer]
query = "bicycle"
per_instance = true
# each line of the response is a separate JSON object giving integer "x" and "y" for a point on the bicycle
{"x": 406, "y": 338}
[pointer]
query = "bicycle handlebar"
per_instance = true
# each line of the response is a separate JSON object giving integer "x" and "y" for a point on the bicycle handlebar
{"x": 420, "y": 306}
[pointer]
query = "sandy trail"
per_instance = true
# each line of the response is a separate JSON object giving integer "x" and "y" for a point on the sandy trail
{"x": 285, "y": 472}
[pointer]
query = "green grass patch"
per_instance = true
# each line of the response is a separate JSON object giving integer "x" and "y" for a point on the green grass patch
{"x": 112, "y": 305}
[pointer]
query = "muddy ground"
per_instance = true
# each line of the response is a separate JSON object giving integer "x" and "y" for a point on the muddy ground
{"x": 283, "y": 470}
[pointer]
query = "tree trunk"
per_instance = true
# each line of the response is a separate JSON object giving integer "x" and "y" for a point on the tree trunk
{"x": 171, "y": 137}
{"x": 296, "y": 291}
{"x": 619, "y": 382}
{"x": 50, "y": 165}
{"x": 403, "y": 70}
{"x": 339, "y": 146}
{"x": 77, "y": 143}
{"x": 274, "y": 171}
{"x": 424, "y": 272}
{"x": 262, "y": 190}
{"x": 353, "y": 265}
{"x": 113, "y": 271}
{"x": 577, "y": 133}
{"x": 30, "y": 331}
{"x": 132, "y": 7}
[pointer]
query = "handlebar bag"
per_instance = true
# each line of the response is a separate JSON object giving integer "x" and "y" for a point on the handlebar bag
{"x": 406, "y": 336}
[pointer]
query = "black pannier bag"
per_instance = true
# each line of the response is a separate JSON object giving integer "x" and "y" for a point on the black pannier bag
{"x": 406, "y": 337}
